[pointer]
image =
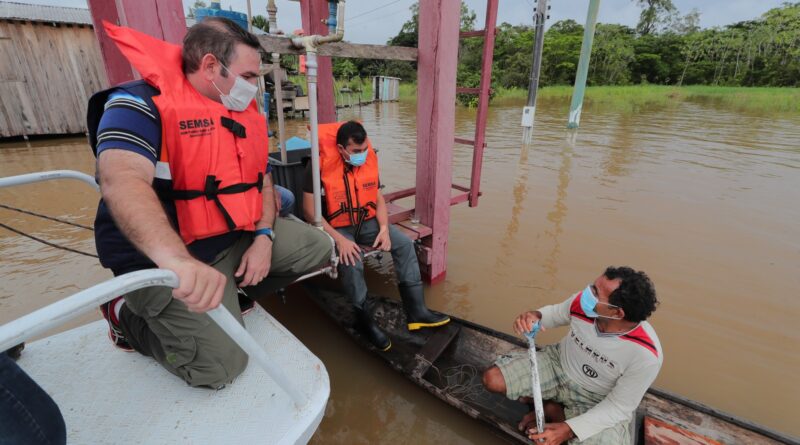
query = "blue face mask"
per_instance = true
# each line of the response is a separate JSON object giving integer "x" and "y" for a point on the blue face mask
{"x": 357, "y": 159}
{"x": 589, "y": 303}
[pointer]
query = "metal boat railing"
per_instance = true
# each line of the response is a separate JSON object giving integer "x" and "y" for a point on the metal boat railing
{"x": 56, "y": 314}
{"x": 60, "y": 312}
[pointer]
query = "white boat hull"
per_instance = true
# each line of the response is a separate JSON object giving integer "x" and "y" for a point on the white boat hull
{"x": 108, "y": 396}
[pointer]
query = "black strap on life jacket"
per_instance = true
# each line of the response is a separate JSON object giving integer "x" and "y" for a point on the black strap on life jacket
{"x": 212, "y": 192}
{"x": 363, "y": 212}
{"x": 357, "y": 214}
{"x": 236, "y": 128}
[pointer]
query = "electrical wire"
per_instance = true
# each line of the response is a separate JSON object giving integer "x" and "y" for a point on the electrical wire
{"x": 371, "y": 10}
{"x": 371, "y": 20}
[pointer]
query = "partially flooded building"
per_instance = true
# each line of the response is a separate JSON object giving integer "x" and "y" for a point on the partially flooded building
{"x": 50, "y": 64}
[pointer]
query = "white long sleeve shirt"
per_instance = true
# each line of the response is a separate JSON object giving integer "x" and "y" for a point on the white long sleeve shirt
{"x": 621, "y": 366}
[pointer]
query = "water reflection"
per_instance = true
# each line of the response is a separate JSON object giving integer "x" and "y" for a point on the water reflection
{"x": 704, "y": 200}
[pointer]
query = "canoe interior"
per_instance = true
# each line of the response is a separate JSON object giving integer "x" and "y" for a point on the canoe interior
{"x": 448, "y": 362}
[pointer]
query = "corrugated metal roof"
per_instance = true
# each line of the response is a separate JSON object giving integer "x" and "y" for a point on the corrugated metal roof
{"x": 41, "y": 13}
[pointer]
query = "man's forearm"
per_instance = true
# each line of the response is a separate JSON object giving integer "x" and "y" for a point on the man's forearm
{"x": 267, "y": 206}
{"x": 381, "y": 212}
{"x": 142, "y": 220}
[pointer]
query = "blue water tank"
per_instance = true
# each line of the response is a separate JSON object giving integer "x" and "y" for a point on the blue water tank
{"x": 214, "y": 10}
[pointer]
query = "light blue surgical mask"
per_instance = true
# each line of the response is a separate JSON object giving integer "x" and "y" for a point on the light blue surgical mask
{"x": 357, "y": 159}
{"x": 589, "y": 303}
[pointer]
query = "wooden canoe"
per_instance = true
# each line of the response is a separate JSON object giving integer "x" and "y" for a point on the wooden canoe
{"x": 448, "y": 362}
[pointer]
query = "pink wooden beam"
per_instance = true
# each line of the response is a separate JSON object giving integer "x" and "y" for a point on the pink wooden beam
{"x": 436, "y": 98}
{"x": 314, "y": 12}
{"x": 163, "y": 19}
{"x": 400, "y": 194}
{"x": 483, "y": 103}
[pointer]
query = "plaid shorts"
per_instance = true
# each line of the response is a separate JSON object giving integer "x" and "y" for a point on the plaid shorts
{"x": 556, "y": 386}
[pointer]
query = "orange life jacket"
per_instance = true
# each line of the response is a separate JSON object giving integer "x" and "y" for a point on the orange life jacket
{"x": 351, "y": 193}
{"x": 216, "y": 158}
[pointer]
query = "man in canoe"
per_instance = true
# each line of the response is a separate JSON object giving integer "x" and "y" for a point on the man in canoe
{"x": 596, "y": 376}
{"x": 184, "y": 175}
{"x": 354, "y": 214}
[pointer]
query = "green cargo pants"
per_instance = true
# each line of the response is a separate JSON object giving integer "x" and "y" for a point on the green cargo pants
{"x": 191, "y": 345}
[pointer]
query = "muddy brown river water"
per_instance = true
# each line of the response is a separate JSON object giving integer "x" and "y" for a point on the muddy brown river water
{"x": 706, "y": 200}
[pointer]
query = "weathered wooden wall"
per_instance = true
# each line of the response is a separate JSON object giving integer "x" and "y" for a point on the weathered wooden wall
{"x": 47, "y": 74}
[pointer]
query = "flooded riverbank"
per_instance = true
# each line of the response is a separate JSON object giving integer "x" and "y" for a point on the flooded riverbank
{"x": 704, "y": 200}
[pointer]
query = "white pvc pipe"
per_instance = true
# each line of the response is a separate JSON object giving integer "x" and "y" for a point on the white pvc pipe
{"x": 339, "y": 27}
{"x": 276, "y": 75}
{"x": 30, "y": 178}
{"x": 538, "y": 405}
{"x": 311, "y": 70}
{"x": 310, "y": 43}
{"x": 58, "y": 313}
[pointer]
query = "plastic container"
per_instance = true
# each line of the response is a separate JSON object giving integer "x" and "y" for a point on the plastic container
{"x": 292, "y": 174}
{"x": 214, "y": 10}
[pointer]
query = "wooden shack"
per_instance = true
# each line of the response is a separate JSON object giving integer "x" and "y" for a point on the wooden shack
{"x": 50, "y": 64}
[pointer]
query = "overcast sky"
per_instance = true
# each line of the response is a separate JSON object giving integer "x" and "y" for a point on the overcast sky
{"x": 375, "y": 21}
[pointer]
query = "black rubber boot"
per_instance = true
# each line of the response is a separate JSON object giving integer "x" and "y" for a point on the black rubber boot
{"x": 418, "y": 315}
{"x": 366, "y": 325}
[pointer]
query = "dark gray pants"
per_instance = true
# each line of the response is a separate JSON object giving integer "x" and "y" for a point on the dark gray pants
{"x": 406, "y": 266}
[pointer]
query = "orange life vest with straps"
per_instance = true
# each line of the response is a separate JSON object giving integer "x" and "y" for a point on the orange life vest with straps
{"x": 215, "y": 158}
{"x": 351, "y": 193}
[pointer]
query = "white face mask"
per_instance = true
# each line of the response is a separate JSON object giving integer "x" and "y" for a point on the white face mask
{"x": 241, "y": 94}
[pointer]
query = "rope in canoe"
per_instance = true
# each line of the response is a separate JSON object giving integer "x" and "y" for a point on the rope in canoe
{"x": 458, "y": 381}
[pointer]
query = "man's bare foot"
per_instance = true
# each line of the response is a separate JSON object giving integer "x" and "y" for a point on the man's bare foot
{"x": 528, "y": 421}
{"x": 553, "y": 413}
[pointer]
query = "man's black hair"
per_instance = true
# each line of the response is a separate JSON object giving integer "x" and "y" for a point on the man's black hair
{"x": 636, "y": 294}
{"x": 351, "y": 130}
{"x": 217, "y": 36}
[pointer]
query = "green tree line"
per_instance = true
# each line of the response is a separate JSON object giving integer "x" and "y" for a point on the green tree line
{"x": 664, "y": 48}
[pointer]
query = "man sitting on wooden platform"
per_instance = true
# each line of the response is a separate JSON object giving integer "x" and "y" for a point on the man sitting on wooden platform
{"x": 355, "y": 213}
{"x": 597, "y": 375}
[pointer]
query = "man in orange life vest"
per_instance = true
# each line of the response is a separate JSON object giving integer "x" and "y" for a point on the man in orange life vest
{"x": 355, "y": 214}
{"x": 184, "y": 175}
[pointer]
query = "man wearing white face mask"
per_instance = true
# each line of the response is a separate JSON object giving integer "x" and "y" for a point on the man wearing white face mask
{"x": 597, "y": 375}
{"x": 354, "y": 213}
{"x": 185, "y": 181}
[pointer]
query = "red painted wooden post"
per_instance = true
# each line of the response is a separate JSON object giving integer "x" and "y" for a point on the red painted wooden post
{"x": 163, "y": 19}
{"x": 313, "y": 13}
{"x": 483, "y": 104}
{"x": 436, "y": 98}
